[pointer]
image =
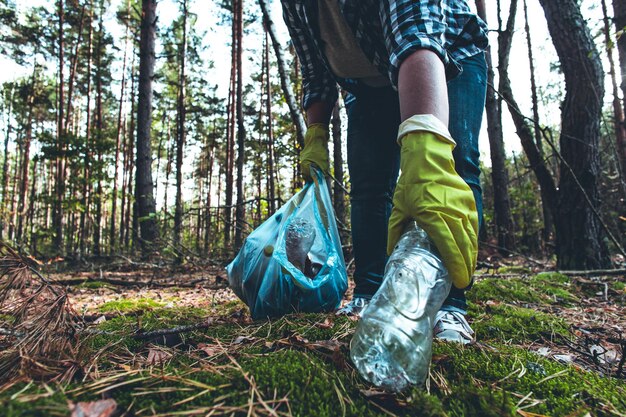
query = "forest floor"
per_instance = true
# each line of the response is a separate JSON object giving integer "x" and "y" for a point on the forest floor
{"x": 177, "y": 342}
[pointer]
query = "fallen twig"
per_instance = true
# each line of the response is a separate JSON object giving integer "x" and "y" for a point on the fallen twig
{"x": 174, "y": 330}
{"x": 595, "y": 272}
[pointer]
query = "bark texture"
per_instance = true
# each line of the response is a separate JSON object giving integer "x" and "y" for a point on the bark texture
{"x": 146, "y": 210}
{"x": 580, "y": 243}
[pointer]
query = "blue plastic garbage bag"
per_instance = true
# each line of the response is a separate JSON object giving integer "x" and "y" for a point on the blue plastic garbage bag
{"x": 293, "y": 262}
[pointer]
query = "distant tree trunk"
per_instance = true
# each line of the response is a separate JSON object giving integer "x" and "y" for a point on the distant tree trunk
{"x": 131, "y": 209}
{"x": 230, "y": 137}
{"x": 5, "y": 164}
{"x": 220, "y": 172}
{"x": 290, "y": 98}
{"x": 493, "y": 106}
{"x": 21, "y": 207}
{"x": 146, "y": 208}
{"x": 60, "y": 181}
{"x": 180, "y": 135}
{"x": 123, "y": 192}
{"x": 116, "y": 162}
{"x": 525, "y": 133}
{"x": 16, "y": 173}
{"x": 580, "y": 243}
{"x": 30, "y": 218}
{"x": 49, "y": 194}
{"x": 125, "y": 230}
{"x": 618, "y": 111}
{"x": 548, "y": 222}
{"x": 73, "y": 66}
{"x": 86, "y": 197}
{"x": 339, "y": 199}
{"x": 207, "y": 226}
{"x": 99, "y": 138}
{"x": 240, "y": 211}
{"x": 260, "y": 151}
{"x": 271, "y": 175}
{"x": 168, "y": 171}
{"x": 619, "y": 19}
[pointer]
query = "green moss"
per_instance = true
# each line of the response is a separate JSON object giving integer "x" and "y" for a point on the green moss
{"x": 551, "y": 278}
{"x": 513, "y": 270}
{"x": 314, "y": 387}
{"x": 7, "y": 318}
{"x": 509, "y": 323}
{"x": 562, "y": 389}
{"x": 504, "y": 290}
{"x": 544, "y": 288}
{"x": 95, "y": 285}
{"x": 618, "y": 286}
{"x": 472, "y": 401}
{"x": 423, "y": 404}
{"x": 13, "y": 402}
{"x": 127, "y": 305}
{"x": 120, "y": 330}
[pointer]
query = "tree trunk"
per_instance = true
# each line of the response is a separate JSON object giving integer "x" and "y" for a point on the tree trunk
{"x": 271, "y": 175}
{"x": 207, "y": 221}
{"x": 580, "y": 243}
{"x": 21, "y": 207}
{"x": 146, "y": 208}
{"x": 180, "y": 136}
{"x": 230, "y": 138}
{"x": 618, "y": 111}
{"x": 493, "y": 106}
{"x": 168, "y": 171}
{"x": 99, "y": 172}
{"x": 60, "y": 181}
{"x": 5, "y": 166}
{"x": 258, "y": 167}
{"x": 16, "y": 173}
{"x": 118, "y": 141}
{"x": 74, "y": 64}
{"x": 131, "y": 209}
{"x": 85, "y": 201}
{"x": 548, "y": 221}
{"x": 290, "y": 98}
{"x": 240, "y": 211}
{"x": 31, "y": 202}
{"x": 619, "y": 19}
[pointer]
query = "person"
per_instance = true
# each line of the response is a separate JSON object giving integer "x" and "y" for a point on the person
{"x": 416, "y": 77}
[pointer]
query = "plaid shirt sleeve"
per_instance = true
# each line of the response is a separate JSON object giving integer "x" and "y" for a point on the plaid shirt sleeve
{"x": 317, "y": 81}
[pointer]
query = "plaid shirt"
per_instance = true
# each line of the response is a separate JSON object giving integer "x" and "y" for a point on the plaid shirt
{"x": 387, "y": 31}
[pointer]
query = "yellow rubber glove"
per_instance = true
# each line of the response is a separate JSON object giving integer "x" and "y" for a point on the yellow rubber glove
{"x": 431, "y": 192}
{"x": 315, "y": 150}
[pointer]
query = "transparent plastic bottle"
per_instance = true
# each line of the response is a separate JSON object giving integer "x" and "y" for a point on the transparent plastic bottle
{"x": 299, "y": 239}
{"x": 392, "y": 344}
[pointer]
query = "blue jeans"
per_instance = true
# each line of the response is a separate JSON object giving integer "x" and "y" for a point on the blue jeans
{"x": 374, "y": 162}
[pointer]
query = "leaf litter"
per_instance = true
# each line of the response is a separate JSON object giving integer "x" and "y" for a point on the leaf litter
{"x": 596, "y": 344}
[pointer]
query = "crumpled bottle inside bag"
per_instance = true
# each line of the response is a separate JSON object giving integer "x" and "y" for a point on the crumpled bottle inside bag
{"x": 293, "y": 262}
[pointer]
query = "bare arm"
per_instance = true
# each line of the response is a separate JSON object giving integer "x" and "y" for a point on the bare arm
{"x": 319, "y": 112}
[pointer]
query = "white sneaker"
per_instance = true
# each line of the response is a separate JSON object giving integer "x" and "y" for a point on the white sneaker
{"x": 354, "y": 307}
{"x": 451, "y": 326}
